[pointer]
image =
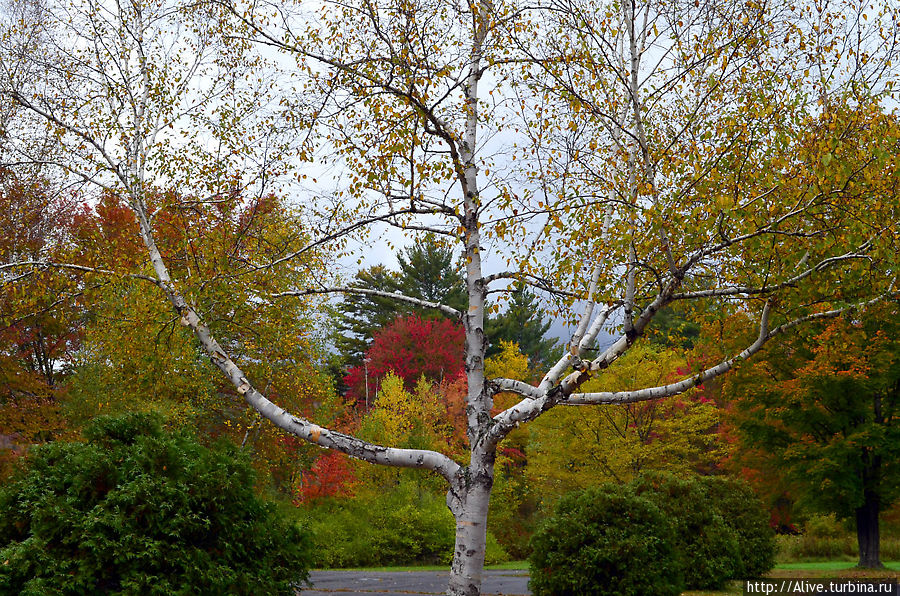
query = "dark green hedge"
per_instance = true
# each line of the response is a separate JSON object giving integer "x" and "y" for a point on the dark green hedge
{"x": 137, "y": 510}
{"x": 745, "y": 514}
{"x": 660, "y": 534}
{"x": 605, "y": 540}
{"x": 705, "y": 543}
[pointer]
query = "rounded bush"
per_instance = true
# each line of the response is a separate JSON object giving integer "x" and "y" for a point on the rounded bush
{"x": 748, "y": 519}
{"x": 136, "y": 510}
{"x": 706, "y": 545}
{"x": 605, "y": 540}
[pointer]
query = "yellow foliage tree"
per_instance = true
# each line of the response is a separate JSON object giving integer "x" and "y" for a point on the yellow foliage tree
{"x": 573, "y": 448}
{"x": 413, "y": 420}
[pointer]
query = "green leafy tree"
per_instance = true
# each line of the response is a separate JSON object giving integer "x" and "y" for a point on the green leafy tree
{"x": 676, "y": 327}
{"x": 137, "y": 510}
{"x": 428, "y": 271}
{"x": 824, "y": 410}
{"x": 361, "y": 315}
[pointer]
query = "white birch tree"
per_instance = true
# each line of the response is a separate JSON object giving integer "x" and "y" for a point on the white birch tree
{"x": 617, "y": 157}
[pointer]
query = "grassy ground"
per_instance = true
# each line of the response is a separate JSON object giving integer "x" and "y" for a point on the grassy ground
{"x": 821, "y": 569}
{"x": 891, "y": 567}
{"x": 501, "y": 566}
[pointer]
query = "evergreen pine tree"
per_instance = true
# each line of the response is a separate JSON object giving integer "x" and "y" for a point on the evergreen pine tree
{"x": 523, "y": 323}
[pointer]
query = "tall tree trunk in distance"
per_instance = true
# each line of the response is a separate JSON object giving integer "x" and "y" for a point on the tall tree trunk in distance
{"x": 867, "y": 531}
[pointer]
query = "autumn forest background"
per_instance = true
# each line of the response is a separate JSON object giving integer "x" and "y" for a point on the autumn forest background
{"x": 805, "y": 425}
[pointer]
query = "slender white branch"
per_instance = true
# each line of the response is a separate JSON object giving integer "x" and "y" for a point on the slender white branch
{"x": 518, "y": 387}
{"x": 74, "y": 267}
{"x": 340, "y": 233}
{"x": 302, "y": 428}
{"x": 447, "y": 310}
{"x": 583, "y": 336}
{"x": 575, "y": 343}
{"x": 596, "y": 326}
{"x": 553, "y": 375}
{"x": 624, "y": 397}
{"x": 408, "y": 458}
{"x": 568, "y": 359}
{"x": 748, "y": 290}
{"x": 50, "y": 117}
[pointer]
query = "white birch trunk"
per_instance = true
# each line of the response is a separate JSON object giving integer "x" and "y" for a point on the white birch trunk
{"x": 468, "y": 500}
{"x": 469, "y": 496}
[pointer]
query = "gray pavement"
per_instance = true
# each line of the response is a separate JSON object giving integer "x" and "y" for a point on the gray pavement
{"x": 403, "y": 583}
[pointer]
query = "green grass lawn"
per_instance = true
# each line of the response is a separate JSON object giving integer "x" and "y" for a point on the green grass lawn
{"x": 823, "y": 569}
{"x": 819, "y": 569}
{"x": 830, "y": 566}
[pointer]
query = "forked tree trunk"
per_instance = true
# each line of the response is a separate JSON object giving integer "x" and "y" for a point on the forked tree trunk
{"x": 867, "y": 532}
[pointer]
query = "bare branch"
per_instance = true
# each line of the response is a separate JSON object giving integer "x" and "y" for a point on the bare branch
{"x": 72, "y": 267}
{"x": 447, "y": 310}
{"x": 749, "y": 291}
{"x": 514, "y": 386}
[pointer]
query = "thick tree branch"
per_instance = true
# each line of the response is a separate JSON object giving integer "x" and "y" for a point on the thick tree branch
{"x": 624, "y": 397}
{"x": 514, "y": 386}
{"x": 302, "y": 428}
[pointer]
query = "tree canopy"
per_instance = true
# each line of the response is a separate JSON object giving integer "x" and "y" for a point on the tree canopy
{"x": 824, "y": 407}
{"x": 618, "y": 158}
{"x": 427, "y": 272}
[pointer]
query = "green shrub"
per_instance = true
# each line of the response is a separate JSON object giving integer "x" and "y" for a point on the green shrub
{"x": 605, "y": 540}
{"x": 494, "y": 553}
{"x": 746, "y": 515}
{"x": 515, "y": 511}
{"x": 397, "y": 527}
{"x": 136, "y": 510}
{"x": 826, "y": 538}
{"x": 705, "y": 544}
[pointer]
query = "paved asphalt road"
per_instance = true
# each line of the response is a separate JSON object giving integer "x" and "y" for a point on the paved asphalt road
{"x": 403, "y": 583}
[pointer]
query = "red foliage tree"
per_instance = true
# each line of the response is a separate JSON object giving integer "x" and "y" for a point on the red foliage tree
{"x": 331, "y": 475}
{"x": 410, "y": 347}
{"x": 41, "y": 314}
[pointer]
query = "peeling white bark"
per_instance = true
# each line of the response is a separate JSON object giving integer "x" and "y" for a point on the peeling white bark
{"x": 300, "y": 427}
